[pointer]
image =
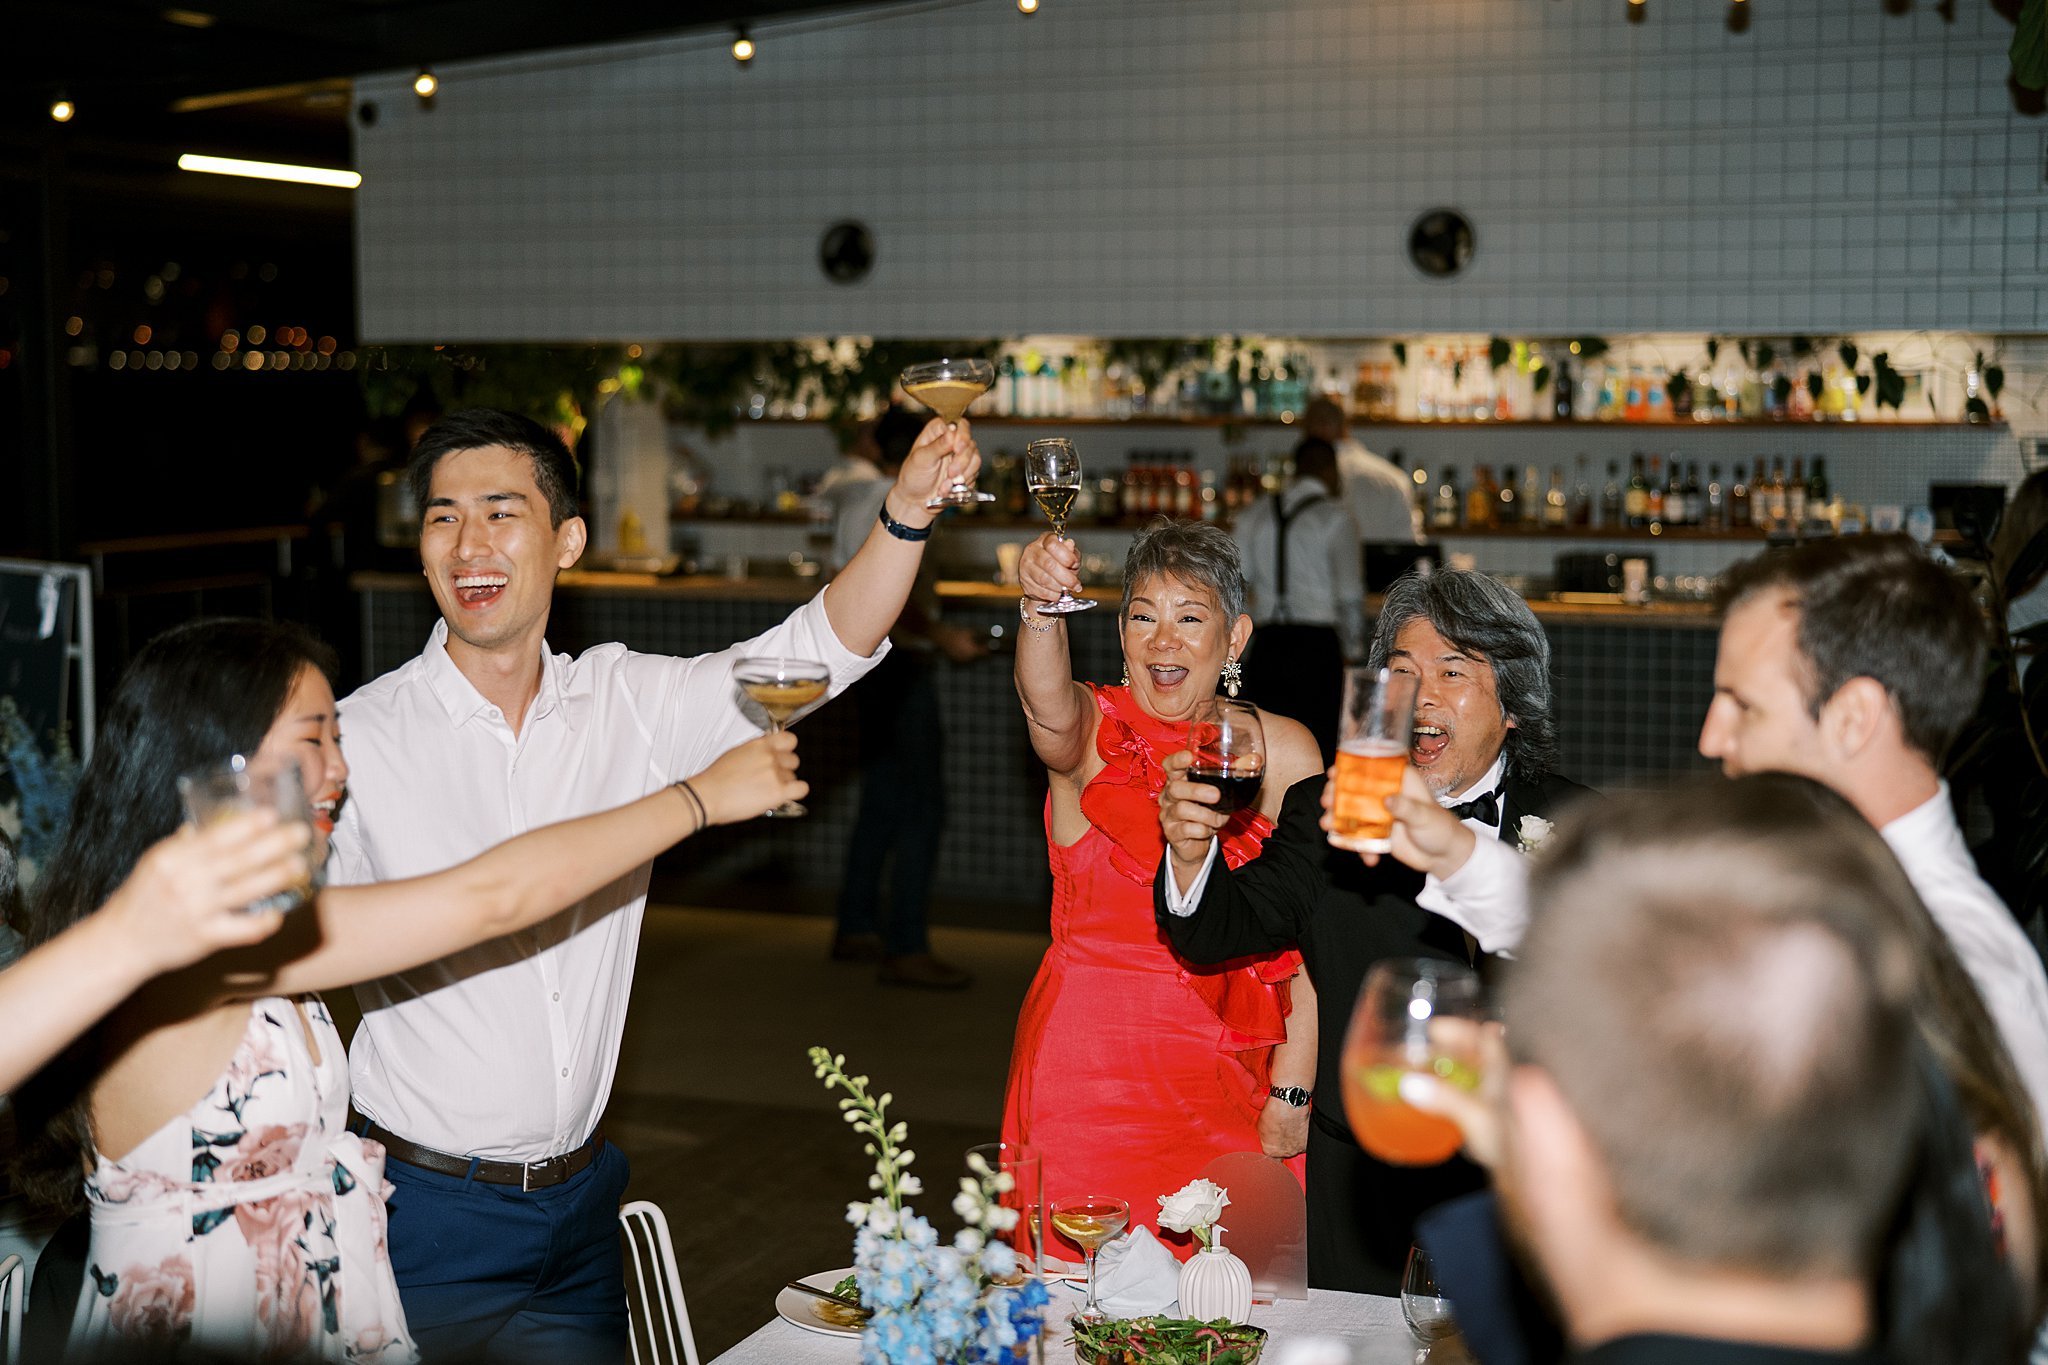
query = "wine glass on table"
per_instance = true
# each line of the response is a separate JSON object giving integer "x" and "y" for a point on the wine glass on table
{"x": 1229, "y": 746}
{"x": 1088, "y": 1221}
{"x": 1413, "y": 1015}
{"x": 1423, "y": 1305}
{"x": 1052, "y": 471}
{"x": 782, "y": 687}
{"x": 948, "y": 387}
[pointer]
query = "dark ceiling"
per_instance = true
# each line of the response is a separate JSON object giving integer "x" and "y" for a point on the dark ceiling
{"x": 128, "y": 66}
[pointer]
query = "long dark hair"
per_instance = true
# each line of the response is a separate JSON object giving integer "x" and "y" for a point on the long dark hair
{"x": 192, "y": 696}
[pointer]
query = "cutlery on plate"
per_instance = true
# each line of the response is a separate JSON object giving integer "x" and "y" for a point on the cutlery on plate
{"x": 826, "y": 1295}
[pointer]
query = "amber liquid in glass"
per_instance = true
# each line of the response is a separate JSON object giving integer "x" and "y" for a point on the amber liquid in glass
{"x": 949, "y": 398}
{"x": 1368, "y": 772}
{"x": 1387, "y": 1125}
{"x": 781, "y": 700}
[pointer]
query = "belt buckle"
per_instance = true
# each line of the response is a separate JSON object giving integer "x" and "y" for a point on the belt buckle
{"x": 526, "y": 1175}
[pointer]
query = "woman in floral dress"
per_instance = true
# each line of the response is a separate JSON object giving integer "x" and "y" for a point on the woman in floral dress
{"x": 250, "y": 1224}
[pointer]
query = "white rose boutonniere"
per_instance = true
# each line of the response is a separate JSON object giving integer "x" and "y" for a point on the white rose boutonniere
{"x": 1195, "y": 1207}
{"x": 1531, "y": 831}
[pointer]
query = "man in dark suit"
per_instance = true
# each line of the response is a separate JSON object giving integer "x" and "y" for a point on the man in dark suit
{"x": 1485, "y": 745}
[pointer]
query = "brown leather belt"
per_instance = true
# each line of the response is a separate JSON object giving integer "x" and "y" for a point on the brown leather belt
{"x": 527, "y": 1175}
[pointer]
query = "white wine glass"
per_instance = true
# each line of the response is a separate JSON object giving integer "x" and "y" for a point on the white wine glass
{"x": 1052, "y": 471}
{"x": 782, "y": 687}
{"x": 1089, "y": 1221}
{"x": 948, "y": 387}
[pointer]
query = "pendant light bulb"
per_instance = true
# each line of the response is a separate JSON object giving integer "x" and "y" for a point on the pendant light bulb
{"x": 742, "y": 47}
{"x": 61, "y": 108}
{"x": 1027, "y": 6}
{"x": 426, "y": 85}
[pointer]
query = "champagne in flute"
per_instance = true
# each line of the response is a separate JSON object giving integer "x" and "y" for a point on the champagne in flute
{"x": 1088, "y": 1221}
{"x": 1052, "y": 471}
{"x": 949, "y": 388}
{"x": 1372, "y": 756}
{"x": 782, "y": 688}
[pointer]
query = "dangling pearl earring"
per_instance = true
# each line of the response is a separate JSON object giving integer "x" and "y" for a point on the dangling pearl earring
{"x": 1233, "y": 676}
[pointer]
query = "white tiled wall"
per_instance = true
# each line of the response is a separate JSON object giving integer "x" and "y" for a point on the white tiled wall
{"x": 1142, "y": 167}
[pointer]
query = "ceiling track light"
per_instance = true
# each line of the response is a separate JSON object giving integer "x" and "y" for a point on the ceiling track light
{"x": 62, "y": 109}
{"x": 426, "y": 84}
{"x": 742, "y": 47}
{"x": 270, "y": 170}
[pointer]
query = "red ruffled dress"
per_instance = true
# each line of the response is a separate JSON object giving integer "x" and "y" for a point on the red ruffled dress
{"x": 1132, "y": 1069}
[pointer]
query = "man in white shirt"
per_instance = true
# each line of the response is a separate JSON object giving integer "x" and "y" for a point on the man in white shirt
{"x": 1853, "y": 661}
{"x": 485, "y": 1074}
{"x": 1379, "y": 493}
{"x": 1301, "y": 560}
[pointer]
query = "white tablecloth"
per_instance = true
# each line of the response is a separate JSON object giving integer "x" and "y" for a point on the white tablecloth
{"x": 1370, "y": 1325}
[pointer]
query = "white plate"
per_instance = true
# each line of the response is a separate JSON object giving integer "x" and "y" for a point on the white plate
{"x": 796, "y": 1308}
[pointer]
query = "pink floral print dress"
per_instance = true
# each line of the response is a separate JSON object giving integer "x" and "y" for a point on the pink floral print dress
{"x": 252, "y": 1225}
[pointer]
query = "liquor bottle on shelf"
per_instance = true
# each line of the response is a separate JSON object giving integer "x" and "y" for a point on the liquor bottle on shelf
{"x": 1611, "y": 501}
{"x": 1655, "y": 396}
{"x": 1795, "y": 496}
{"x": 1582, "y": 497}
{"x": 1561, "y": 392}
{"x": 1774, "y": 496}
{"x": 1653, "y": 494}
{"x": 1695, "y": 500}
{"x": 1819, "y": 505}
{"x": 1530, "y": 496}
{"x": 1479, "y": 499}
{"x": 1714, "y": 516}
{"x": 1507, "y": 511}
{"x": 1555, "y": 504}
{"x": 1449, "y": 504}
{"x": 1741, "y": 500}
{"x": 1635, "y": 502}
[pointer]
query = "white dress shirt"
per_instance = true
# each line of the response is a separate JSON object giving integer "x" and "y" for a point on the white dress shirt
{"x": 1489, "y": 898}
{"x": 1184, "y": 905}
{"x": 507, "y": 1050}
{"x": 1379, "y": 493}
{"x": 1325, "y": 585}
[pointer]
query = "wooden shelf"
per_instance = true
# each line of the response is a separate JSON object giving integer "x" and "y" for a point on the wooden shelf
{"x": 1744, "y": 424}
{"x": 1751, "y": 535}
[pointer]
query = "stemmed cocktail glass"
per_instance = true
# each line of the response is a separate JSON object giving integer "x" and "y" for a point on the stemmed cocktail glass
{"x": 1052, "y": 471}
{"x": 1089, "y": 1220}
{"x": 948, "y": 387}
{"x": 782, "y": 687}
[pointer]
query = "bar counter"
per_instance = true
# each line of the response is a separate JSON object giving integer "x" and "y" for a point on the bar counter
{"x": 1632, "y": 684}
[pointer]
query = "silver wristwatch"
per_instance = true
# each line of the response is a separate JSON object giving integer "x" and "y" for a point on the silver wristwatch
{"x": 1291, "y": 1094}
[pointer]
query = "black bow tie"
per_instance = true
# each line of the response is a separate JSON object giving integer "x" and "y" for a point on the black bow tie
{"x": 1485, "y": 807}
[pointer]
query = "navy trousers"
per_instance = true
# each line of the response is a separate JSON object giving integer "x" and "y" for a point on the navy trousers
{"x": 493, "y": 1273}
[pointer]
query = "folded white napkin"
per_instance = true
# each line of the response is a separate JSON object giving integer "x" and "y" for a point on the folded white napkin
{"x": 1135, "y": 1275}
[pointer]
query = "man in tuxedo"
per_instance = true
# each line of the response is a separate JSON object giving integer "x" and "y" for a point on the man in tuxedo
{"x": 1485, "y": 745}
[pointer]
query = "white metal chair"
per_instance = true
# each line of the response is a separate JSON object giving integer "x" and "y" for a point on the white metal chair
{"x": 13, "y": 1286}
{"x": 658, "y": 1321}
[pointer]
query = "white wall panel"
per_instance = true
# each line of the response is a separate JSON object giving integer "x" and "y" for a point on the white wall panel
{"x": 1139, "y": 167}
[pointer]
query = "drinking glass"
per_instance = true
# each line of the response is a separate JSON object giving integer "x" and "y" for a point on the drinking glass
{"x": 1052, "y": 471}
{"x": 1089, "y": 1220}
{"x": 948, "y": 387}
{"x": 236, "y": 785}
{"x": 1423, "y": 1305}
{"x": 1413, "y": 1015}
{"x": 1372, "y": 754}
{"x": 782, "y": 687}
{"x": 1229, "y": 746}
{"x": 1021, "y": 1162}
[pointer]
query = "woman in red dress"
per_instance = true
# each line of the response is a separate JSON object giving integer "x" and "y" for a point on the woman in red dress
{"x": 1133, "y": 1070}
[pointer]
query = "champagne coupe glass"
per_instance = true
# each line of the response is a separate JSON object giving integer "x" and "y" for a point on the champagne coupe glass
{"x": 782, "y": 687}
{"x": 1414, "y": 1014}
{"x": 220, "y": 790}
{"x": 1229, "y": 746}
{"x": 948, "y": 387}
{"x": 1089, "y": 1220}
{"x": 1052, "y": 471}
{"x": 1373, "y": 736}
{"x": 1423, "y": 1305}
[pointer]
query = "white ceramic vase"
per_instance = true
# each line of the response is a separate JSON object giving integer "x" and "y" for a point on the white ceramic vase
{"x": 1215, "y": 1284}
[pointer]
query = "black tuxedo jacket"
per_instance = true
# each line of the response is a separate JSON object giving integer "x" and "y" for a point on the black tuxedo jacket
{"x": 1343, "y": 915}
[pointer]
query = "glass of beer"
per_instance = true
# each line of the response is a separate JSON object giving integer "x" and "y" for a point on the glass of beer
{"x": 1229, "y": 746}
{"x": 228, "y": 788}
{"x": 1052, "y": 471}
{"x": 1372, "y": 753}
{"x": 1414, "y": 1014}
{"x": 948, "y": 387}
{"x": 782, "y": 688}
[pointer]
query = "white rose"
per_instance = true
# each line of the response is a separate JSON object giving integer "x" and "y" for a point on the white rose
{"x": 1198, "y": 1204}
{"x": 1531, "y": 831}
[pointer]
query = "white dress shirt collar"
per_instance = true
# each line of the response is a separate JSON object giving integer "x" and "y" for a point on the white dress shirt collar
{"x": 1488, "y": 781}
{"x": 460, "y": 697}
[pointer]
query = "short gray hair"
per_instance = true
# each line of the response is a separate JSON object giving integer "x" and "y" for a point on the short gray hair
{"x": 1485, "y": 619}
{"x": 1193, "y": 552}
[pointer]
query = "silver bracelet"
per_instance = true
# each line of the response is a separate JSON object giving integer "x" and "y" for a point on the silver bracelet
{"x": 1027, "y": 615}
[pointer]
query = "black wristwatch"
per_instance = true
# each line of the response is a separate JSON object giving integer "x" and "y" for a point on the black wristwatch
{"x": 1291, "y": 1094}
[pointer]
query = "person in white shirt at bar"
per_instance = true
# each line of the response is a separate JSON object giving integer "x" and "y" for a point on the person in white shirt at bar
{"x": 1301, "y": 560}
{"x": 485, "y": 1074}
{"x": 1380, "y": 495}
{"x": 1854, "y": 661}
